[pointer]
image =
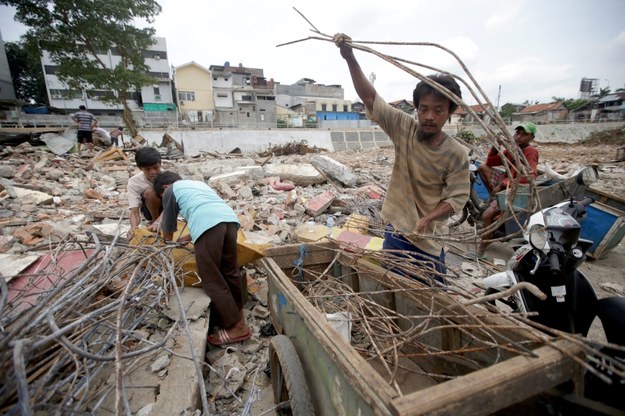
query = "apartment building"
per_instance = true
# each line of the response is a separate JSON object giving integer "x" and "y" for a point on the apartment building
{"x": 156, "y": 98}
{"x": 318, "y": 102}
{"x": 7, "y": 92}
{"x": 194, "y": 92}
{"x": 243, "y": 97}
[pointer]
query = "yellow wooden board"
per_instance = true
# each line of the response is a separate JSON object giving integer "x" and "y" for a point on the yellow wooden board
{"x": 184, "y": 257}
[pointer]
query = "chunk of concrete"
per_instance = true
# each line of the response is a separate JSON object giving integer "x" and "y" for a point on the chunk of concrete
{"x": 335, "y": 170}
{"x": 38, "y": 198}
{"x": 301, "y": 174}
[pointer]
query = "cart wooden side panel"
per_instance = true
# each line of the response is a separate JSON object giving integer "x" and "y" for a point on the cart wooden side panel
{"x": 340, "y": 381}
{"x": 488, "y": 390}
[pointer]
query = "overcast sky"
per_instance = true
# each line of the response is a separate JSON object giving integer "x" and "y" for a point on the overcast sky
{"x": 533, "y": 49}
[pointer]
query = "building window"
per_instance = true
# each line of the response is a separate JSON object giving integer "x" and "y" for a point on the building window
{"x": 345, "y": 110}
{"x": 65, "y": 94}
{"x": 324, "y": 107}
{"x": 97, "y": 95}
{"x": 186, "y": 96}
{"x": 159, "y": 75}
{"x": 157, "y": 90}
{"x": 334, "y": 107}
{"x": 154, "y": 54}
{"x": 222, "y": 95}
{"x": 246, "y": 98}
{"x": 50, "y": 69}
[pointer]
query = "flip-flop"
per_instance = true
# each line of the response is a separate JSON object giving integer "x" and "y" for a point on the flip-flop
{"x": 221, "y": 337}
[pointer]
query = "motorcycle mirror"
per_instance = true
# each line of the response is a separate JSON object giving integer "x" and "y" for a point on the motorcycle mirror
{"x": 587, "y": 176}
{"x": 538, "y": 237}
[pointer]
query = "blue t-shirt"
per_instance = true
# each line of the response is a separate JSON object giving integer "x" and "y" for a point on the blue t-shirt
{"x": 198, "y": 203}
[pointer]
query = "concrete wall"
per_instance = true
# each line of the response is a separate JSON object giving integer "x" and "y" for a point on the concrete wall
{"x": 252, "y": 141}
{"x": 558, "y": 133}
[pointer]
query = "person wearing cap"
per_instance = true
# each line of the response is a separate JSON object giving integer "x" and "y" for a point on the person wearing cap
{"x": 524, "y": 133}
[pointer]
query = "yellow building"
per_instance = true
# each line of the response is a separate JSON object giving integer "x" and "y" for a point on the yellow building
{"x": 194, "y": 86}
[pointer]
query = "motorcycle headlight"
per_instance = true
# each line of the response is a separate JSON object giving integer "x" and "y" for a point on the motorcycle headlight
{"x": 538, "y": 237}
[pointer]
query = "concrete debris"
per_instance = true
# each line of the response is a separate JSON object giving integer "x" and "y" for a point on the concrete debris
{"x": 228, "y": 378}
{"x": 46, "y": 196}
{"x": 335, "y": 170}
{"x": 160, "y": 363}
{"x": 300, "y": 174}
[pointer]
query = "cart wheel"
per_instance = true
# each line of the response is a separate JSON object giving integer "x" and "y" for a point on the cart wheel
{"x": 287, "y": 379}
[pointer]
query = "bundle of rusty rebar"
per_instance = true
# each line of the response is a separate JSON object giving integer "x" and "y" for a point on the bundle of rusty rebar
{"x": 386, "y": 334}
{"x": 57, "y": 347}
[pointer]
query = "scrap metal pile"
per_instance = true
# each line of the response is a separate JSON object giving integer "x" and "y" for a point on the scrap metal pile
{"x": 68, "y": 329}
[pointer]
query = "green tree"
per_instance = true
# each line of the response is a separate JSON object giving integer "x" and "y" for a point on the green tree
{"x": 507, "y": 110}
{"x": 530, "y": 102}
{"x": 76, "y": 34}
{"x": 604, "y": 91}
{"x": 25, "y": 67}
{"x": 571, "y": 104}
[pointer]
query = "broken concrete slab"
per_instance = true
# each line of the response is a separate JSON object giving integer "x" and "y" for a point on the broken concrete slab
{"x": 12, "y": 265}
{"x": 301, "y": 174}
{"x": 38, "y": 198}
{"x": 231, "y": 178}
{"x": 335, "y": 170}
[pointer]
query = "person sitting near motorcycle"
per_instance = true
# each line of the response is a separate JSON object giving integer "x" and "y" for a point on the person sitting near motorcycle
{"x": 524, "y": 133}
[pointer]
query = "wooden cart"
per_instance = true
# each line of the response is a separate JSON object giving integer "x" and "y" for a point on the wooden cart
{"x": 319, "y": 372}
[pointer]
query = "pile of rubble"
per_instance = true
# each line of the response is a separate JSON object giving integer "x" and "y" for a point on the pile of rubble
{"x": 47, "y": 198}
{"x": 42, "y": 194}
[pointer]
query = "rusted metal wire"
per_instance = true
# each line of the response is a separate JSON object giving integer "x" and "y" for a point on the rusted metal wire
{"x": 381, "y": 332}
{"x": 497, "y": 132}
{"x": 57, "y": 348}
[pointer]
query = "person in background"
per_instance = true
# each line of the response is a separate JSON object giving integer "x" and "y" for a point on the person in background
{"x": 116, "y": 134}
{"x": 524, "y": 133}
{"x": 430, "y": 176}
{"x": 102, "y": 135}
{"x": 85, "y": 122}
{"x": 213, "y": 229}
{"x": 141, "y": 196}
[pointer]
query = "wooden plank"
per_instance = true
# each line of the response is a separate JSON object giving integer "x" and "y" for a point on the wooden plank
{"x": 488, "y": 390}
{"x": 613, "y": 200}
{"x": 318, "y": 253}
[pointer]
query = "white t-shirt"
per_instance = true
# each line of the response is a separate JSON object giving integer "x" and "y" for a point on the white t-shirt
{"x": 136, "y": 185}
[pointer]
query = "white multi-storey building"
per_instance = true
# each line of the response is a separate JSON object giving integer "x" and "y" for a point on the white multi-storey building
{"x": 152, "y": 98}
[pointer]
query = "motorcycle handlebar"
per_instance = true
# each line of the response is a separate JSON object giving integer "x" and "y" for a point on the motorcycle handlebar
{"x": 554, "y": 262}
{"x": 587, "y": 201}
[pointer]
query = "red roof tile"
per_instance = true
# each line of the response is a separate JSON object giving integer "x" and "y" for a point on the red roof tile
{"x": 539, "y": 108}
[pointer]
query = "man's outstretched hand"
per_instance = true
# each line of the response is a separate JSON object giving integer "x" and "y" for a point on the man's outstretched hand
{"x": 342, "y": 41}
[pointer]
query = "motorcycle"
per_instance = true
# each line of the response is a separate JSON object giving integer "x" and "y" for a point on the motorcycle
{"x": 550, "y": 259}
{"x": 475, "y": 206}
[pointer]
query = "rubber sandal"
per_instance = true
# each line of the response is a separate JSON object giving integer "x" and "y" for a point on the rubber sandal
{"x": 221, "y": 337}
